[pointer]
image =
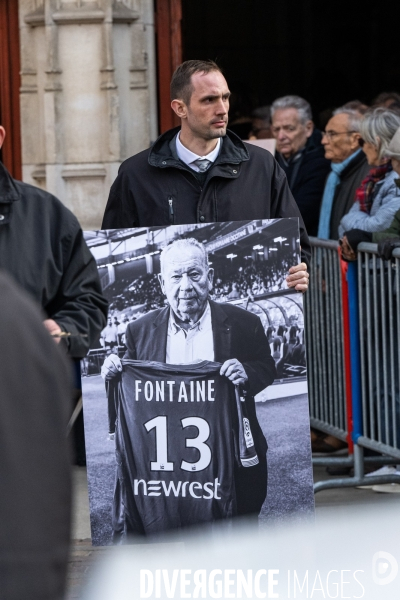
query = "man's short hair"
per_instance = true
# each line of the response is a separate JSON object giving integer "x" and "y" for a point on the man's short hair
{"x": 183, "y": 245}
{"x": 302, "y": 106}
{"x": 181, "y": 82}
{"x": 263, "y": 113}
{"x": 356, "y": 105}
{"x": 354, "y": 115}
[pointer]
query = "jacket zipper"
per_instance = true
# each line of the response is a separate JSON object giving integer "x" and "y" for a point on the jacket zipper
{"x": 171, "y": 209}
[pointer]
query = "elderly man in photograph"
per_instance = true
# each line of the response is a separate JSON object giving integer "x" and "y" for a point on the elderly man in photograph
{"x": 194, "y": 328}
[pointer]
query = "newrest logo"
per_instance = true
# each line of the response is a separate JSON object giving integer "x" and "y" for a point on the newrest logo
{"x": 184, "y": 489}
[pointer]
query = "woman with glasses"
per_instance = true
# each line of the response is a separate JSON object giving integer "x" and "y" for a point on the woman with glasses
{"x": 378, "y": 197}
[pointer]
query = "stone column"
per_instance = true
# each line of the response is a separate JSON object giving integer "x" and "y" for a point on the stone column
{"x": 88, "y": 96}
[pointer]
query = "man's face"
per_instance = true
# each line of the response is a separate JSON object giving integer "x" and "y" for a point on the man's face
{"x": 291, "y": 135}
{"x": 338, "y": 142}
{"x": 261, "y": 129}
{"x": 186, "y": 281}
{"x": 206, "y": 114}
{"x": 396, "y": 165}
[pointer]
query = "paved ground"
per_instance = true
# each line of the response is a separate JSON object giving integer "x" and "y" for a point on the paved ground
{"x": 289, "y": 472}
{"x": 84, "y": 555}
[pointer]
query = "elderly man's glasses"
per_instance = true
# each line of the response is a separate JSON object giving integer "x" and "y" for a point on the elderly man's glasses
{"x": 332, "y": 134}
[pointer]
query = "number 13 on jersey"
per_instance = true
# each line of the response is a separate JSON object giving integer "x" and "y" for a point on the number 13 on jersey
{"x": 160, "y": 424}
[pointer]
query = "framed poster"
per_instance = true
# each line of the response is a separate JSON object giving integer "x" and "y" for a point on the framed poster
{"x": 201, "y": 364}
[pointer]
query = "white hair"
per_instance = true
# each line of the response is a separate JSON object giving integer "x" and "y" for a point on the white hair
{"x": 379, "y": 126}
{"x": 183, "y": 245}
{"x": 354, "y": 116}
{"x": 302, "y": 106}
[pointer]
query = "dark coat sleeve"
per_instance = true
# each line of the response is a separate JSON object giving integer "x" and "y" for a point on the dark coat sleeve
{"x": 79, "y": 306}
{"x": 284, "y": 206}
{"x": 131, "y": 352}
{"x": 120, "y": 209}
{"x": 260, "y": 366}
{"x": 308, "y": 191}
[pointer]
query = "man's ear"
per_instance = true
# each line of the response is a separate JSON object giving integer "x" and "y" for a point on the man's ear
{"x": 309, "y": 128}
{"x": 354, "y": 141}
{"x": 161, "y": 280}
{"x": 179, "y": 108}
{"x": 2, "y": 135}
{"x": 210, "y": 276}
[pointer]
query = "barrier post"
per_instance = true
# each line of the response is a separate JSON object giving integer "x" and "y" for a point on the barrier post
{"x": 347, "y": 351}
{"x": 354, "y": 334}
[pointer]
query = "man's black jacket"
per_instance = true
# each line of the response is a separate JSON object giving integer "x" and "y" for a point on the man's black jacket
{"x": 42, "y": 247}
{"x": 155, "y": 188}
{"x": 306, "y": 178}
{"x": 345, "y": 193}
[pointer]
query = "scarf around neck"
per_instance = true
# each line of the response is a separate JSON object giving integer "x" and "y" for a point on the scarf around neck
{"x": 364, "y": 194}
{"x": 332, "y": 182}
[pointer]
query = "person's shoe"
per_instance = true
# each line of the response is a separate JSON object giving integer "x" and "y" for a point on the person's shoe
{"x": 111, "y": 437}
{"x": 385, "y": 470}
{"x": 387, "y": 488}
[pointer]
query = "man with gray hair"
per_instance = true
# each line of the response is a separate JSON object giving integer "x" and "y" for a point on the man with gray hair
{"x": 193, "y": 328}
{"x": 349, "y": 167}
{"x": 301, "y": 155}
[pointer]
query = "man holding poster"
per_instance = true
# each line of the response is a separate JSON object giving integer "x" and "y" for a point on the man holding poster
{"x": 197, "y": 331}
{"x": 202, "y": 172}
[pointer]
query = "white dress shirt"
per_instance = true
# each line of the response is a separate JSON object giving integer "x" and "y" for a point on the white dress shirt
{"x": 192, "y": 345}
{"x": 188, "y": 157}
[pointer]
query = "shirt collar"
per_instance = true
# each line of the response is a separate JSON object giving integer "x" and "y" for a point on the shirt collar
{"x": 188, "y": 157}
{"x": 198, "y": 326}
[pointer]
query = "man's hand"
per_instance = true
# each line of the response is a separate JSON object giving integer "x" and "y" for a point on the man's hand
{"x": 111, "y": 367}
{"x": 234, "y": 371}
{"x": 298, "y": 277}
{"x": 53, "y": 328}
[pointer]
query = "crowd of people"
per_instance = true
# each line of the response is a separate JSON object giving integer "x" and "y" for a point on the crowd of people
{"x": 251, "y": 281}
{"x": 344, "y": 179}
{"x": 287, "y": 349}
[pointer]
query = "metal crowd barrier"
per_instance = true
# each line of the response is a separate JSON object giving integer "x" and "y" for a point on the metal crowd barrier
{"x": 379, "y": 323}
{"x": 371, "y": 327}
{"x": 325, "y": 338}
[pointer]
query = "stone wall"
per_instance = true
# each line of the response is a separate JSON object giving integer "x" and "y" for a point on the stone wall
{"x": 88, "y": 95}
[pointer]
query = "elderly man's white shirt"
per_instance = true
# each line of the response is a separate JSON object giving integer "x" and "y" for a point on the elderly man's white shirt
{"x": 189, "y": 157}
{"x": 192, "y": 345}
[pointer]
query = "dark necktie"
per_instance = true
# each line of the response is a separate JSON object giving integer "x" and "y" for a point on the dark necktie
{"x": 202, "y": 164}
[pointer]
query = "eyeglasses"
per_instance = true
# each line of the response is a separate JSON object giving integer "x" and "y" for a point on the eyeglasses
{"x": 332, "y": 134}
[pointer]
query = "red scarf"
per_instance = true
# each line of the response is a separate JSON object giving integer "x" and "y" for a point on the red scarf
{"x": 365, "y": 192}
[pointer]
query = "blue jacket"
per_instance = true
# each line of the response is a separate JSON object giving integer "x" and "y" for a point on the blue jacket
{"x": 386, "y": 203}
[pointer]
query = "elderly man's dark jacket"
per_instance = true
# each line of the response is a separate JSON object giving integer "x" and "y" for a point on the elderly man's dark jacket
{"x": 350, "y": 180}
{"x": 42, "y": 247}
{"x": 155, "y": 188}
{"x": 306, "y": 177}
{"x": 237, "y": 334}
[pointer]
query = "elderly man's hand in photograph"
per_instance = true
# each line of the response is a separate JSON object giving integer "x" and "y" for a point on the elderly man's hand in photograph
{"x": 112, "y": 366}
{"x": 298, "y": 277}
{"x": 234, "y": 371}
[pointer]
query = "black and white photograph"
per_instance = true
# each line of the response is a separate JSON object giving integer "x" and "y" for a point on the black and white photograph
{"x": 195, "y": 395}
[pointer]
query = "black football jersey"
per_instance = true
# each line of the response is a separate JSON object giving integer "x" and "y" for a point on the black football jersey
{"x": 181, "y": 429}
